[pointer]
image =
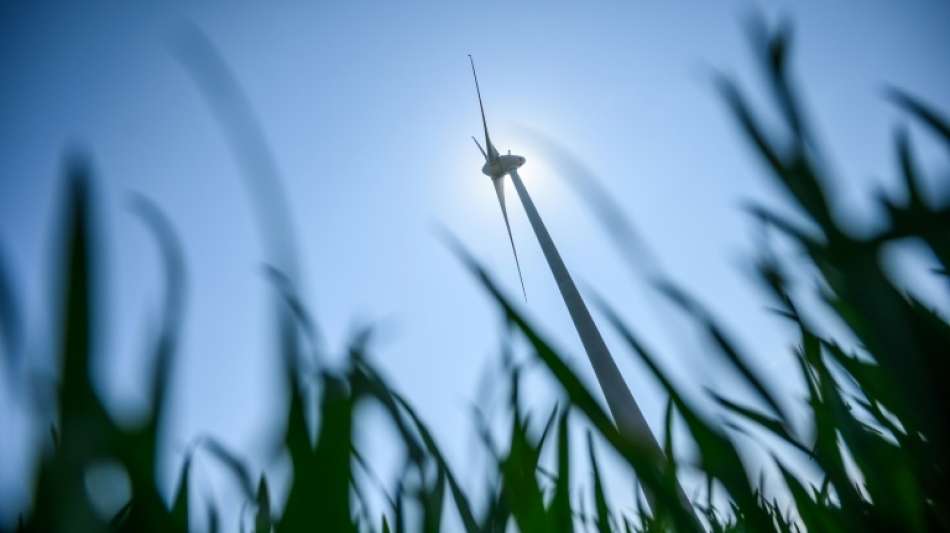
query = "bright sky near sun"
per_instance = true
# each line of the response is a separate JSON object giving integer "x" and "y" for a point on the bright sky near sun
{"x": 368, "y": 108}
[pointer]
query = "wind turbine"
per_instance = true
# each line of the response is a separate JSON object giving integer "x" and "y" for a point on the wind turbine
{"x": 624, "y": 409}
{"x": 496, "y": 167}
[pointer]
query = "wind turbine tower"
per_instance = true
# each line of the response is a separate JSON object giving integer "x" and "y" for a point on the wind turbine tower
{"x": 624, "y": 409}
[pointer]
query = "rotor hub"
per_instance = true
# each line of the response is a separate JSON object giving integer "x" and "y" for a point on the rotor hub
{"x": 502, "y": 165}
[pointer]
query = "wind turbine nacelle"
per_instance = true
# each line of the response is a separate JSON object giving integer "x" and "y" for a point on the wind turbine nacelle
{"x": 502, "y": 165}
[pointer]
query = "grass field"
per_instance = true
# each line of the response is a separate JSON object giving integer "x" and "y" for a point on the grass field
{"x": 879, "y": 414}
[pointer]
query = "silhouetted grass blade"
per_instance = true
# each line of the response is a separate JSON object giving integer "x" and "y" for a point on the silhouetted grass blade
{"x": 11, "y": 328}
{"x": 559, "y": 510}
{"x": 937, "y": 122}
{"x": 262, "y": 520}
{"x": 717, "y": 454}
{"x": 234, "y": 465}
{"x": 725, "y": 347}
{"x": 84, "y": 427}
{"x": 600, "y": 500}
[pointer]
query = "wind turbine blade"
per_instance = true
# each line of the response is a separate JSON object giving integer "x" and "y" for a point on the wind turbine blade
{"x": 492, "y": 153}
{"x": 480, "y": 149}
{"x": 500, "y": 191}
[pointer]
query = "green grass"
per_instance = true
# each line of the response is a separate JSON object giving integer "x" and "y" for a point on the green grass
{"x": 878, "y": 414}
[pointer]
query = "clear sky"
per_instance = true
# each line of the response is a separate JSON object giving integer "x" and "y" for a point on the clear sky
{"x": 368, "y": 108}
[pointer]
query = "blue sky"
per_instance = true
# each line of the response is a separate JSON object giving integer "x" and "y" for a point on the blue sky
{"x": 368, "y": 108}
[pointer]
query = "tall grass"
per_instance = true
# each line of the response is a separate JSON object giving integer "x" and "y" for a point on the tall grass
{"x": 878, "y": 414}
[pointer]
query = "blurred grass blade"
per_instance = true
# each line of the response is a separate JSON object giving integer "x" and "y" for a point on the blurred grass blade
{"x": 234, "y": 465}
{"x": 461, "y": 500}
{"x": 85, "y": 430}
{"x": 600, "y": 500}
{"x": 937, "y": 122}
{"x": 180, "y": 504}
{"x": 793, "y": 171}
{"x": 11, "y": 327}
{"x": 174, "y": 269}
{"x": 718, "y": 455}
{"x": 908, "y": 168}
{"x": 775, "y": 426}
{"x": 725, "y": 347}
{"x": 225, "y": 97}
{"x": 262, "y": 521}
{"x": 521, "y": 485}
{"x": 559, "y": 510}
